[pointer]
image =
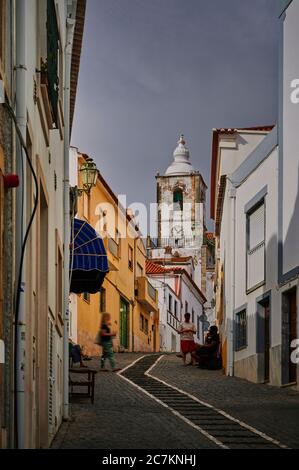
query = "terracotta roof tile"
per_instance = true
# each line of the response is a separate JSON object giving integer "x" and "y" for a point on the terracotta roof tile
{"x": 152, "y": 268}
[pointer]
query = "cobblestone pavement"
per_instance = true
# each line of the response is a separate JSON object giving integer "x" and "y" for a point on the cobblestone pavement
{"x": 272, "y": 410}
{"x": 123, "y": 417}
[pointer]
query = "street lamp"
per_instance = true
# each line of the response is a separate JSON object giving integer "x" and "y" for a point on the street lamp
{"x": 89, "y": 174}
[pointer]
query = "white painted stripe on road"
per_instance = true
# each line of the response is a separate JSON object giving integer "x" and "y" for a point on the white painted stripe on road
{"x": 223, "y": 413}
{"x": 176, "y": 413}
{"x": 130, "y": 365}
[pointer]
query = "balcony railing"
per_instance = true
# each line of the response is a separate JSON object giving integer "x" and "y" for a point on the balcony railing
{"x": 172, "y": 242}
{"x": 147, "y": 294}
{"x": 172, "y": 321}
{"x": 151, "y": 291}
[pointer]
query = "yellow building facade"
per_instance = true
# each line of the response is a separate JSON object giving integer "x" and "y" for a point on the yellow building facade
{"x": 126, "y": 292}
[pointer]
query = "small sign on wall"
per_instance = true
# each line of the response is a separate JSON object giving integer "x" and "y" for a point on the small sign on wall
{"x": 2, "y": 352}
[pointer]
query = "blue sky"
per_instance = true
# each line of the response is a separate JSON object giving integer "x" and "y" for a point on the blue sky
{"x": 152, "y": 69}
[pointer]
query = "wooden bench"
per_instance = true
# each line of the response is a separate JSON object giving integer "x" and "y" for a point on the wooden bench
{"x": 85, "y": 377}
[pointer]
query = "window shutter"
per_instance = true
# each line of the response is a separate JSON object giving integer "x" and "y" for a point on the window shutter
{"x": 257, "y": 227}
{"x": 51, "y": 376}
{"x": 256, "y": 247}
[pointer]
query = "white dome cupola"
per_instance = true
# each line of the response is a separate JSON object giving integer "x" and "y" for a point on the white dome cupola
{"x": 181, "y": 164}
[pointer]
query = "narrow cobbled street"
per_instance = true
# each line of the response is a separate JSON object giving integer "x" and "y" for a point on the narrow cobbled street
{"x": 185, "y": 408}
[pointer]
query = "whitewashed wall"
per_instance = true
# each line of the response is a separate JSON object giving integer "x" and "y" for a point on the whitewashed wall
{"x": 265, "y": 174}
{"x": 165, "y": 288}
{"x": 48, "y": 161}
{"x": 289, "y": 151}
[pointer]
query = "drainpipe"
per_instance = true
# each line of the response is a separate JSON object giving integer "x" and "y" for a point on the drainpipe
{"x": 231, "y": 332}
{"x": 21, "y": 75}
{"x": 70, "y": 26}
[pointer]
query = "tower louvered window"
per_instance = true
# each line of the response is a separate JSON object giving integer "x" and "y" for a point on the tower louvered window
{"x": 178, "y": 200}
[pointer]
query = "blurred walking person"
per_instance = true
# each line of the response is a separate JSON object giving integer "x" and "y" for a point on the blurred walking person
{"x": 107, "y": 336}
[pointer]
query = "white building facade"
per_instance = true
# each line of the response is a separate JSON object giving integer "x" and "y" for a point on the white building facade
{"x": 256, "y": 210}
{"x": 288, "y": 192}
{"x": 177, "y": 294}
{"x": 42, "y": 39}
{"x": 232, "y": 149}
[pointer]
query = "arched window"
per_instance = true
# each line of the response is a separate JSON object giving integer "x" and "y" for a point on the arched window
{"x": 178, "y": 199}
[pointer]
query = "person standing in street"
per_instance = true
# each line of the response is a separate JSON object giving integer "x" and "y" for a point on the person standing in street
{"x": 107, "y": 344}
{"x": 187, "y": 331}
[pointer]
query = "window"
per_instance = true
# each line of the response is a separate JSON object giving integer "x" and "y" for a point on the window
{"x": 118, "y": 241}
{"x": 241, "y": 330}
{"x": 256, "y": 247}
{"x": 52, "y": 58}
{"x": 170, "y": 303}
{"x": 186, "y": 307}
{"x": 131, "y": 258}
{"x": 139, "y": 272}
{"x": 192, "y": 316}
{"x": 86, "y": 297}
{"x": 175, "y": 308}
{"x": 2, "y": 29}
{"x": 143, "y": 324}
{"x": 102, "y": 304}
{"x": 146, "y": 326}
{"x": 59, "y": 294}
{"x": 178, "y": 200}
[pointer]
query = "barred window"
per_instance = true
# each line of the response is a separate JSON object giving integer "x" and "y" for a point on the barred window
{"x": 241, "y": 330}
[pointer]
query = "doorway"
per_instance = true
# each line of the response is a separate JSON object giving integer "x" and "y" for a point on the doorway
{"x": 292, "y": 334}
{"x": 267, "y": 340}
{"x": 264, "y": 336}
{"x": 289, "y": 333}
{"x": 124, "y": 324}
